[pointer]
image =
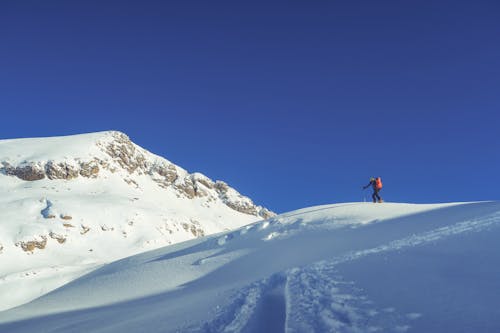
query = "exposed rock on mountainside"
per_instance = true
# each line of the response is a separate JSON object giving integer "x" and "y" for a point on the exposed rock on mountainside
{"x": 60, "y": 171}
{"x": 242, "y": 205}
{"x": 120, "y": 155}
{"x": 167, "y": 174}
{"x": 30, "y": 246}
{"x": 25, "y": 171}
{"x": 90, "y": 169}
{"x": 70, "y": 204}
{"x": 30, "y": 171}
{"x": 59, "y": 238}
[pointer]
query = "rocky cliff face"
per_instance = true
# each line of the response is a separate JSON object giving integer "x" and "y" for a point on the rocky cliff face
{"x": 31, "y": 171}
{"x": 118, "y": 154}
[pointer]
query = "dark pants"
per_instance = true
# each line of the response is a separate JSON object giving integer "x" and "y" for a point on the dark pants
{"x": 376, "y": 197}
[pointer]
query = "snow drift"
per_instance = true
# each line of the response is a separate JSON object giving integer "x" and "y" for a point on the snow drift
{"x": 356, "y": 267}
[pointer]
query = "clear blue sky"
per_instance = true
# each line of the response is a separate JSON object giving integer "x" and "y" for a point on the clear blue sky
{"x": 294, "y": 103}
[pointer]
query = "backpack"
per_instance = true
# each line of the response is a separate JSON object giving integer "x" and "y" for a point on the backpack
{"x": 378, "y": 183}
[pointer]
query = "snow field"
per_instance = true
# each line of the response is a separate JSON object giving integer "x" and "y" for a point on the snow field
{"x": 53, "y": 231}
{"x": 338, "y": 268}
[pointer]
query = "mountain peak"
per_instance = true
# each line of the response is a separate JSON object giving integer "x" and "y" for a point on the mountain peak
{"x": 17, "y": 151}
{"x": 63, "y": 157}
{"x": 98, "y": 197}
{"x": 94, "y": 155}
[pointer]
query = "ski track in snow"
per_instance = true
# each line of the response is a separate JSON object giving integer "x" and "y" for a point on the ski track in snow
{"x": 317, "y": 299}
{"x": 430, "y": 236}
{"x": 310, "y": 297}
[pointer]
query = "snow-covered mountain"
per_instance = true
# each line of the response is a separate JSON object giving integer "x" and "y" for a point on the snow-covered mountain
{"x": 69, "y": 204}
{"x": 356, "y": 267}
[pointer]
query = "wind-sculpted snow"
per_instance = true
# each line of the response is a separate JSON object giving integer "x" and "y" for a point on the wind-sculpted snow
{"x": 317, "y": 298}
{"x": 338, "y": 268}
{"x": 86, "y": 200}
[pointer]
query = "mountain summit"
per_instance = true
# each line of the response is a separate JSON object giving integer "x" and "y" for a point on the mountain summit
{"x": 69, "y": 204}
{"x": 87, "y": 155}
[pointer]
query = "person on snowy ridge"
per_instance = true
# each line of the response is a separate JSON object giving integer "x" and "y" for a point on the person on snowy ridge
{"x": 376, "y": 184}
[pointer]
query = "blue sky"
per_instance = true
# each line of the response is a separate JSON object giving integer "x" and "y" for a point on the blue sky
{"x": 294, "y": 103}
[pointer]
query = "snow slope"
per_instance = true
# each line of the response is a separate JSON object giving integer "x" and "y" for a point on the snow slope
{"x": 70, "y": 204}
{"x": 357, "y": 267}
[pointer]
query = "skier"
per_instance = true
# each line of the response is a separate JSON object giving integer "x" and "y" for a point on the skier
{"x": 376, "y": 184}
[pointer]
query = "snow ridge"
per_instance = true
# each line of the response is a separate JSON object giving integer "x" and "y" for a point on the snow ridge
{"x": 355, "y": 267}
{"x": 85, "y": 200}
{"x": 316, "y": 298}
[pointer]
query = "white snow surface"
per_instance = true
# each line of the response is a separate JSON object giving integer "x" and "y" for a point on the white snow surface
{"x": 16, "y": 151}
{"x": 355, "y": 267}
{"x": 86, "y": 222}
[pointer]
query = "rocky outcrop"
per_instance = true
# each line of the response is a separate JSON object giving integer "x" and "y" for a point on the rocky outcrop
{"x": 242, "y": 207}
{"x": 30, "y": 246}
{"x": 61, "y": 170}
{"x": 194, "y": 228}
{"x": 89, "y": 169}
{"x": 51, "y": 170}
{"x": 122, "y": 155}
{"x": 124, "y": 152}
{"x": 25, "y": 171}
{"x": 240, "y": 203}
{"x": 198, "y": 185}
{"x": 198, "y": 178}
{"x": 221, "y": 187}
{"x": 59, "y": 238}
{"x": 194, "y": 185}
{"x": 167, "y": 173}
{"x": 40, "y": 242}
{"x": 186, "y": 187}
